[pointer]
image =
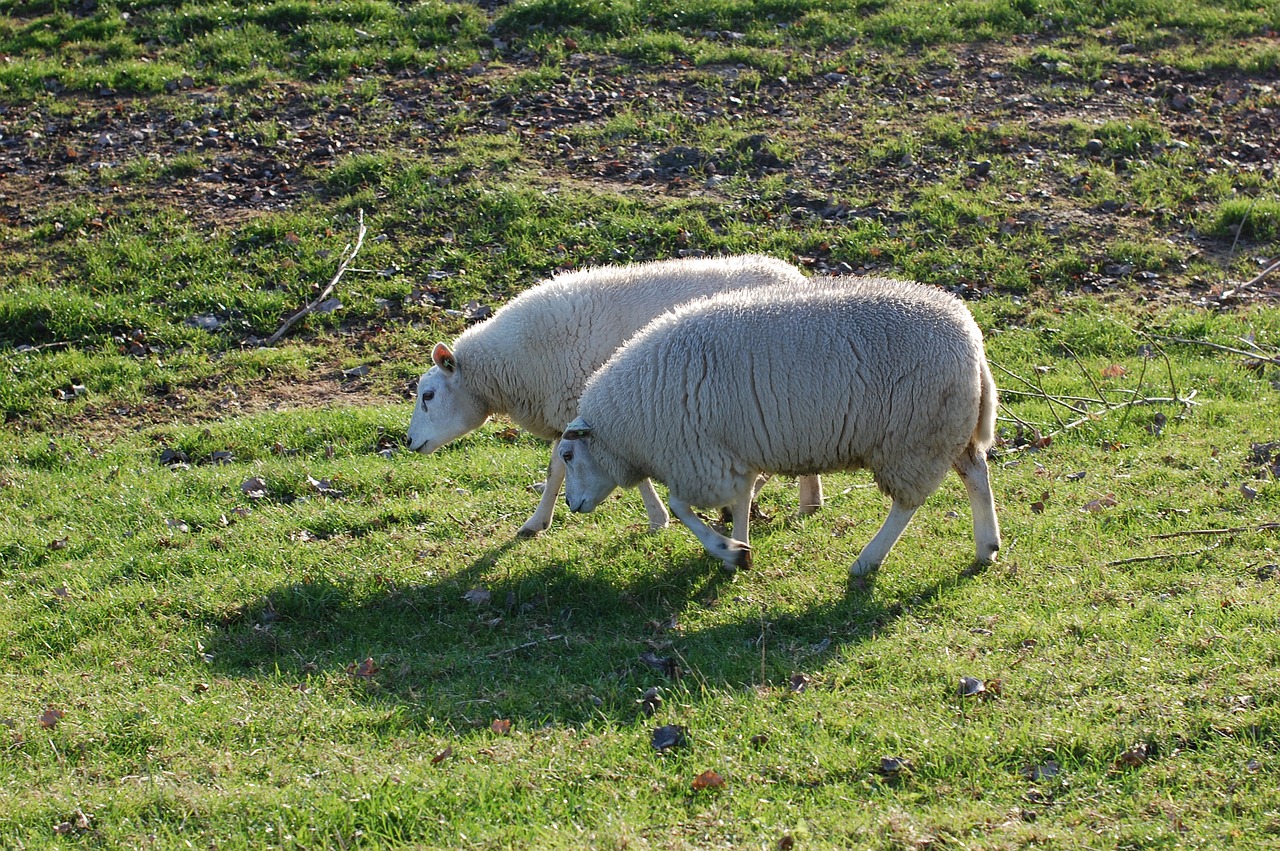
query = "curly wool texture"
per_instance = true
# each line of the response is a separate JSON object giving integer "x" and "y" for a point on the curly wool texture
{"x": 532, "y": 359}
{"x": 859, "y": 373}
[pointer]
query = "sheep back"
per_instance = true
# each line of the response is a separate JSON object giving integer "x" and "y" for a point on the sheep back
{"x": 533, "y": 357}
{"x": 876, "y": 373}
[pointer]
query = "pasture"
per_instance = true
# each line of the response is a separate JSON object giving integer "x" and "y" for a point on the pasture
{"x": 236, "y": 612}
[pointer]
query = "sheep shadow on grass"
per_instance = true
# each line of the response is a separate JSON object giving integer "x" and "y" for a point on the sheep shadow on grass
{"x": 557, "y": 640}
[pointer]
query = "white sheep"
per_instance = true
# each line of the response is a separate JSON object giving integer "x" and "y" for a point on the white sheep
{"x": 860, "y": 373}
{"x": 532, "y": 358}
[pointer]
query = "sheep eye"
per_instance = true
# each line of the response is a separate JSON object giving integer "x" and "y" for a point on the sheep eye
{"x": 427, "y": 397}
{"x": 567, "y": 455}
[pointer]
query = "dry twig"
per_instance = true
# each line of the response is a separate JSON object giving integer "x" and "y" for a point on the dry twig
{"x": 349, "y": 253}
{"x": 1230, "y": 530}
{"x": 528, "y": 645}
{"x": 1264, "y": 358}
{"x": 1159, "y": 556}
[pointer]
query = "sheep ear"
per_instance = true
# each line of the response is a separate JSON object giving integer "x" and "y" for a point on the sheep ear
{"x": 576, "y": 430}
{"x": 442, "y": 356}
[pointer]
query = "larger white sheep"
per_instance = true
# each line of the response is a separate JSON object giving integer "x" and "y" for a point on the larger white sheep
{"x": 532, "y": 358}
{"x": 862, "y": 373}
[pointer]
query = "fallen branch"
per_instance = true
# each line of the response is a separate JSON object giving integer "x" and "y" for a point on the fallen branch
{"x": 1264, "y": 358}
{"x": 528, "y": 645}
{"x": 349, "y": 253}
{"x": 59, "y": 344}
{"x": 1231, "y": 530}
{"x": 1255, "y": 280}
{"x": 1097, "y": 415}
{"x": 1159, "y": 556}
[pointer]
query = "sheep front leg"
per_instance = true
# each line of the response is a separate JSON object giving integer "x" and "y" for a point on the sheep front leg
{"x": 986, "y": 528}
{"x": 653, "y": 506}
{"x": 541, "y": 519}
{"x": 734, "y": 553}
{"x": 873, "y": 554}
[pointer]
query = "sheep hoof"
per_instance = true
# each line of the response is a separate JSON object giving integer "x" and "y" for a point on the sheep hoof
{"x": 530, "y": 531}
{"x": 658, "y": 527}
{"x": 736, "y": 556}
{"x": 862, "y": 568}
{"x": 807, "y": 510}
{"x": 988, "y": 555}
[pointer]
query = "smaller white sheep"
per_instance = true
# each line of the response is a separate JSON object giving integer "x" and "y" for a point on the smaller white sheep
{"x": 861, "y": 373}
{"x": 532, "y": 358}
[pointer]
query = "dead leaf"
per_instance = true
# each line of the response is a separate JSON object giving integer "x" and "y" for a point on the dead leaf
{"x": 1248, "y": 492}
{"x": 474, "y": 311}
{"x": 800, "y": 682}
{"x": 893, "y": 767}
{"x": 365, "y": 669}
{"x": 1075, "y": 477}
{"x": 1134, "y": 757}
{"x": 670, "y": 736}
{"x": 759, "y": 740}
{"x": 501, "y": 726}
{"x": 1037, "y": 507}
{"x": 708, "y": 779}
{"x": 178, "y": 526}
{"x": 324, "y": 487}
{"x": 442, "y": 756}
{"x": 173, "y": 457}
{"x": 665, "y": 664}
{"x": 1157, "y": 423}
{"x": 1041, "y": 772}
{"x": 50, "y": 717}
{"x": 254, "y": 488}
{"x": 971, "y": 687}
{"x": 650, "y": 701}
{"x": 1097, "y": 505}
{"x": 478, "y": 597}
{"x": 62, "y": 591}
{"x": 508, "y": 434}
{"x": 1114, "y": 371}
{"x": 59, "y": 544}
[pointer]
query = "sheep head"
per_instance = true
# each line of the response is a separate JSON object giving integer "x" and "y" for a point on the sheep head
{"x": 585, "y": 484}
{"x": 444, "y": 408}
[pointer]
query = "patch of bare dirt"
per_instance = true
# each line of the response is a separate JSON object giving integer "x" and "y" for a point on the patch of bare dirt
{"x": 211, "y": 404}
{"x": 210, "y": 156}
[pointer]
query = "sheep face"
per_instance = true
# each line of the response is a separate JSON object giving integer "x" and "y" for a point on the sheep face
{"x": 585, "y": 484}
{"x": 445, "y": 409}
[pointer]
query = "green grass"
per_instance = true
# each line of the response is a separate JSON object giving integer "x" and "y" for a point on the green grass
{"x": 206, "y": 646}
{"x": 300, "y": 663}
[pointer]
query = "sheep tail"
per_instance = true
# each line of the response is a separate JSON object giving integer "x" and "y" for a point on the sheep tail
{"x": 984, "y": 434}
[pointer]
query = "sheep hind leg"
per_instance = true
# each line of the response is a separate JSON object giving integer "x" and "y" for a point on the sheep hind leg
{"x": 810, "y": 494}
{"x": 986, "y": 528}
{"x": 541, "y": 519}
{"x": 733, "y": 553}
{"x": 658, "y": 517}
{"x": 874, "y": 553}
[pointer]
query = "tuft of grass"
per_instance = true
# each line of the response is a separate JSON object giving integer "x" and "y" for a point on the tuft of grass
{"x": 1256, "y": 219}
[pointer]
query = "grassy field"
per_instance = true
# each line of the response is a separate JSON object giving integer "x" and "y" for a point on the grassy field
{"x": 236, "y": 613}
